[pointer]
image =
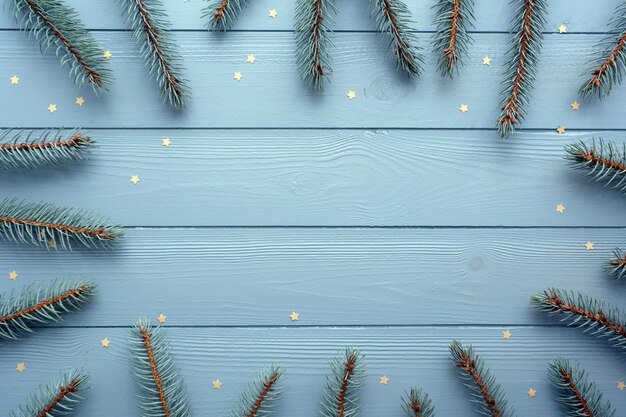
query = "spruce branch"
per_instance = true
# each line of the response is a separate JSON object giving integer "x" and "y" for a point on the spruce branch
{"x": 149, "y": 23}
{"x": 452, "y": 39}
{"x": 58, "y": 398}
{"x": 393, "y": 17}
{"x": 164, "y": 393}
{"x": 312, "y": 38}
{"x": 608, "y": 68}
{"x": 521, "y": 71}
{"x": 484, "y": 389}
{"x": 616, "y": 267}
{"x": 260, "y": 397}
{"x": 48, "y": 148}
{"x": 417, "y": 403}
{"x": 575, "y": 392}
{"x": 605, "y": 161}
{"x": 221, "y": 14}
{"x": 585, "y": 312}
{"x": 46, "y": 225}
{"x": 37, "y": 305}
{"x": 343, "y": 386}
{"x": 55, "y": 24}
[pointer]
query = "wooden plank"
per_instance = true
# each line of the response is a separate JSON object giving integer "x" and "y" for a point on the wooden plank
{"x": 242, "y": 277}
{"x": 272, "y": 95}
{"x": 408, "y": 356}
{"x": 491, "y": 15}
{"x": 326, "y": 178}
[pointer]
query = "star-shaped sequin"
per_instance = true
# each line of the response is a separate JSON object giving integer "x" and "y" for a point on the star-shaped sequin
{"x": 506, "y": 334}
{"x": 532, "y": 393}
{"x": 575, "y": 105}
{"x": 237, "y": 76}
{"x": 294, "y": 316}
{"x": 251, "y": 59}
{"x": 486, "y": 60}
{"x": 351, "y": 94}
{"x": 273, "y": 13}
{"x": 464, "y": 108}
{"x": 15, "y": 80}
{"x": 621, "y": 385}
{"x": 166, "y": 142}
{"x": 105, "y": 342}
{"x": 384, "y": 379}
{"x": 560, "y": 130}
{"x": 589, "y": 245}
{"x": 107, "y": 54}
{"x": 562, "y": 28}
{"x": 13, "y": 275}
{"x": 52, "y": 108}
{"x": 560, "y": 208}
{"x": 20, "y": 367}
{"x": 217, "y": 384}
{"x": 161, "y": 318}
{"x": 80, "y": 100}
{"x": 135, "y": 179}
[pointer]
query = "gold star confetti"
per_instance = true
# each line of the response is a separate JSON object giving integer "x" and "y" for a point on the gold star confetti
{"x": 464, "y": 108}
{"x": 575, "y": 105}
{"x": 560, "y": 130}
{"x": 161, "y": 318}
{"x": 486, "y": 60}
{"x": 167, "y": 142}
{"x": 105, "y": 342}
{"x": 532, "y": 393}
{"x": 621, "y": 385}
{"x": 294, "y": 316}
{"x": 506, "y": 334}
{"x": 237, "y": 76}
{"x": 351, "y": 94}
{"x": 20, "y": 367}
{"x": 15, "y": 80}
{"x": 562, "y": 28}
{"x": 273, "y": 13}
{"x": 107, "y": 54}
{"x": 384, "y": 380}
{"x": 52, "y": 244}
{"x": 13, "y": 275}
{"x": 589, "y": 245}
{"x": 217, "y": 384}
{"x": 560, "y": 208}
{"x": 80, "y": 100}
{"x": 251, "y": 59}
{"x": 134, "y": 179}
{"x": 52, "y": 108}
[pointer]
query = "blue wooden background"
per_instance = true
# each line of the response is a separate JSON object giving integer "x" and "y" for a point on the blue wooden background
{"x": 392, "y": 222}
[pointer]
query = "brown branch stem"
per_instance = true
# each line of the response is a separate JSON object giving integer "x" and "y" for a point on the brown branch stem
{"x": 63, "y": 391}
{"x": 574, "y": 389}
{"x": 268, "y": 385}
{"x": 469, "y": 366}
{"x": 71, "y": 293}
{"x": 349, "y": 367}
{"x": 72, "y": 142}
{"x": 155, "y": 372}
{"x": 100, "y": 232}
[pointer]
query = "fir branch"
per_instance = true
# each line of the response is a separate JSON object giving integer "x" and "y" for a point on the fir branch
{"x": 393, "y": 17}
{"x": 258, "y": 400}
{"x": 484, "y": 389}
{"x": 452, "y": 39}
{"x": 149, "y": 23}
{"x": 48, "y": 148}
{"x": 58, "y": 398}
{"x": 54, "y": 23}
{"x": 521, "y": 71}
{"x": 164, "y": 393}
{"x": 312, "y": 38}
{"x": 586, "y": 312}
{"x": 605, "y": 161}
{"x": 343, "y": 387}
{"x": 418, "y": 404}
{"x": 223, "y": 13}
{"x": 575, "y": 392}
{"x": 608, "y": 68}
{"x": 37, "y": 305}
{"x": 616, "y": 267}
{"x": 46, "y": 225}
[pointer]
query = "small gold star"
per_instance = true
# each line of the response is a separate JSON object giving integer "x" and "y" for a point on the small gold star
{"x": 13, "y": 275}
{"x": 107, "y": 54}
{"x": 560, "y": 208}
{"x": 105, "y": 342}
{"x": 15, "y": 79}
{"x": 80, "y": 100}
{"x": 464, "y": 108}
{"x": 575, "y": 105}
{"x": 294, "y": 316}
{"x": 506, "y": 334}
{"x": 562, "y": 28}
{"x": 161, "y": 318}
{"x": 560, "y": 130}
{"x": 52, "y": 244}
{"x": 589, "y": 245}
{"x": 384, "y": 380}
{"x": 237, "y": 76}
{"x": 217, "y": 384}
{"x": 273, "y": 13}
{"x": 20, "y": 367}
{"x": 134, "y": 179}
{"x": 251, "y": 59}
{"x": 621, "y": 385}
{"x": 351, "y": 94}
{"x": 167, "y": 142}
{"x": 486, "y": 60}
{"x": 532, "y": 393}
{"x": 52, "y": 108}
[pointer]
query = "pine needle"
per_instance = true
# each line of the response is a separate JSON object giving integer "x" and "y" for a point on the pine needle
{"x": 343, "y": 386}
{"x": 259, "y": 400}
{"x": 222, "y": 14}
{"x": 417, "y": 403}
{"x": 452, "y": 40}
{"x": 616, "y": 267}
{"x": 604, "y": 161}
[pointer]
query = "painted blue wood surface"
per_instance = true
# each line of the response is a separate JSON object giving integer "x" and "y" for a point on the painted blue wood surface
{"x": 392, "y": 222}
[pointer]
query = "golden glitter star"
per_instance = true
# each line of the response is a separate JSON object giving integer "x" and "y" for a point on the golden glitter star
{"x": 52, "y": 108}
{"x": 575, "y": 105}
{"x": 167, "y": 142}
{"x": 351, "y": 94}
{"x": 251, "y": 59}
{"x": 217, "y": 384}
{"x": 560, "y": 208}
{"x": 562, "y": 28}
{"x": 589, "y": 245}
{"x": 134, "y": 179}
{"x": 464, "y": 108}
{"x": 15, "y": 80}
{"x": 80, "y": 100}
{"x": 384, "y": 380}
{"x": 532, "y": 393}
{"x": 107, "y": 54}
{"x": 237, "y": 76}
{"x": 161, "y": 318}
{"x": 486, "y": 60}
{"x": 105, "y": 342}
{"x": 20, "y": 367}
{"x": 52, "y": 244}
{"x": 294, "y": 316}
{"x": 506, "y": 334}
{"x": 621, "y": 385}
{"x": 273, "y": 13}
{"x": 13, "y": 275}
{"x": 560, "y": 130}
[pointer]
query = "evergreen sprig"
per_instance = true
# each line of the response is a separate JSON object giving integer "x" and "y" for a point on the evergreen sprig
{"x": 47, "y": 148}
{"x": 605, "y": 161}
{"x": 452, "y": 40}
{"x": 343, "y": 386}
{"x": 261, "y": 395}
{"x": 522, "y": 67}
{"x": 46, "y": 225}
{"x": 222, "y": 14}
{"x": 608, "y": 68}
{"x": 417, "y": 403}
{"x": 58, "y": 398}
{"x": 55, "y": 24}
{"x": 163, "y": 390}
{"x": 38, "y": 304}
{"x": 585, "y": 312}
{"x": 312, "y": 40}
{"x": 616, "y": 267}
{"x": 484, "y": 389}
{"x": 579, "y": 396}
{"x": 393, "y": 17}
{"x": 149, "y": 23}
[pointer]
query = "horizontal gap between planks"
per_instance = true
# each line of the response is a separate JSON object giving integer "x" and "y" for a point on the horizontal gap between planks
{"x": 426, "y": 227}
{"x": 326, "y": 326}
{"x": 418, "y": 129}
